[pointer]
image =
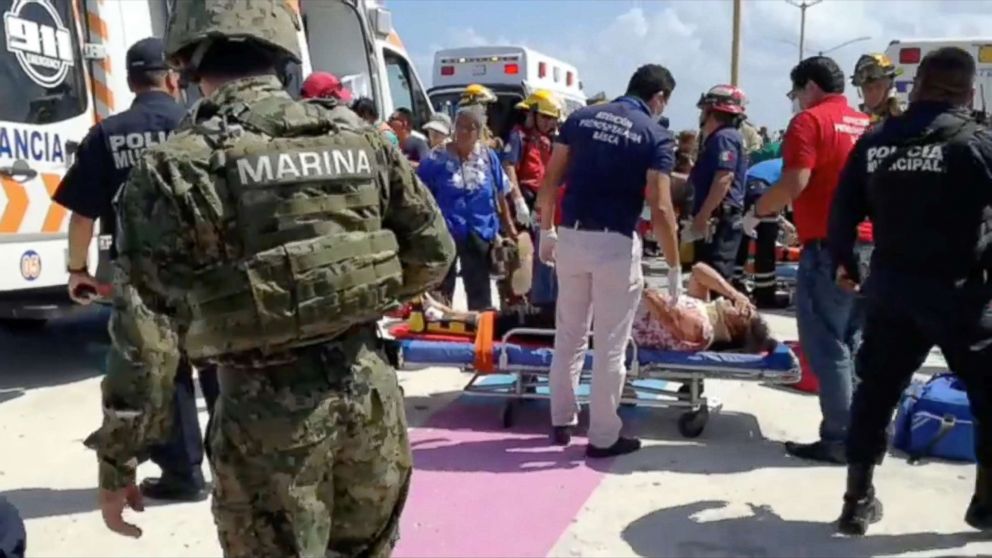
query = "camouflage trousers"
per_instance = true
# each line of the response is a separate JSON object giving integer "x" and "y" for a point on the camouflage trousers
{"x": 311, "y": 458}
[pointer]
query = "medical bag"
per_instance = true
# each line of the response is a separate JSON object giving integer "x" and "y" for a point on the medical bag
{"x": 808, "y": 383}
{"x": 934, "y": 419}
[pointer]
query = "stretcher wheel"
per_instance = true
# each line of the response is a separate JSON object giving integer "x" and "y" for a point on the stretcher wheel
{"x": 684, "y": 389}
{"x": 692, "y": 424}
{"x": 507, "y": 416}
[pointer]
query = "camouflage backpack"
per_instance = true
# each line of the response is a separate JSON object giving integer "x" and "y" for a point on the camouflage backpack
{"x": 296, "y": 200}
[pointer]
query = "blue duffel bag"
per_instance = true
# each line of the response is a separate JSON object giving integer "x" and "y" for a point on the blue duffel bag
{"x": 934, "y": 420}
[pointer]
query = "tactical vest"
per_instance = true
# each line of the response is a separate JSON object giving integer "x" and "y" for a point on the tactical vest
{"x": 927, "y": 207}
{"x": 294, "y": 209}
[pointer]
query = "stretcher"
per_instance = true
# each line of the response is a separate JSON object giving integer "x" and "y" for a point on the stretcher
{"x": 522, "y": 358}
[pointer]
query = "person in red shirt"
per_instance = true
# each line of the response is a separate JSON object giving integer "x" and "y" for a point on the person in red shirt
{"x": 816, "y": 146}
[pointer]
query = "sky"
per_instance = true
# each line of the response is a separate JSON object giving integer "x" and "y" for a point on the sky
{"x": 608, "y": 39}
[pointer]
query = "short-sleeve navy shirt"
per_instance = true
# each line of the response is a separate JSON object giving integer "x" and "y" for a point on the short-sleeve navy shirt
{"x": 611, "y": 149}
{"x": 723, "y": 150}
{"x": 108, "y": 152}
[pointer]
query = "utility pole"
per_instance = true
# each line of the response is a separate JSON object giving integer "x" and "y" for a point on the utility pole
{"x": 802, "y": 5}
{"x": 735, "y": 57}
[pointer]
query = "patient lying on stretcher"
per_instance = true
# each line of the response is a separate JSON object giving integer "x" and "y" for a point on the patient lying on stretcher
{"x": 693, "y": 323}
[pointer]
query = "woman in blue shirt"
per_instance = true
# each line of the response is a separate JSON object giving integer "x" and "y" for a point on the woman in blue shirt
{"x": 468, "y": 183}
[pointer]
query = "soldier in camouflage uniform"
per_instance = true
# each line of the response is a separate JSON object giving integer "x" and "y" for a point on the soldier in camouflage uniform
{"x": 267, "y": 236}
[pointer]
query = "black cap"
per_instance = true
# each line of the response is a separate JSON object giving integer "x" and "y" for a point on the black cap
{"x": 146, "y": 55}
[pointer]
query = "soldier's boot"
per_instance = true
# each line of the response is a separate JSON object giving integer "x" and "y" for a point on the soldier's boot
{"x": 979, "y": 514}
{"x": 861, "y": 507}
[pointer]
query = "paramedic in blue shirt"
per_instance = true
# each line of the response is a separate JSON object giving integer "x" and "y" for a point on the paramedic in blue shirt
{"x": 718, "y": 180}
{"x": 468, "y": 183}
{"x": 607, "y": 154}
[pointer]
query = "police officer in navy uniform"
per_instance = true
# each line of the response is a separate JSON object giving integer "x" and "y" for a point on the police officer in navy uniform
{"x": 925, "y": 180}
{"x": 101, "y": 166}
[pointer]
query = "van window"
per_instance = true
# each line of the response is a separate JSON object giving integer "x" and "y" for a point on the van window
{"x": 445, "y": 102}
{"x": 41, "y": 66}
{"x": 337, "y": 43}
{"x": 404, "y": 89}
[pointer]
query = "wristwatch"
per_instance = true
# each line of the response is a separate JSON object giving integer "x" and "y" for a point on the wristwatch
{"x": 83, "y": 269}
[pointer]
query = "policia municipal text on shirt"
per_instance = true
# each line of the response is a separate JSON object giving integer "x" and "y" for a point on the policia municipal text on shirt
{"x": 924, "y": 180}
{"x": 103, "y": 163}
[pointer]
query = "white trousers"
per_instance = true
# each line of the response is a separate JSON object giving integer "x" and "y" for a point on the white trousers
{"x": 599, "y": 282}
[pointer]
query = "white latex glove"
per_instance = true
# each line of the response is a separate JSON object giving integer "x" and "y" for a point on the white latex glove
{"x": 688, "y": 235}
{"x": 749, "y": 223}
{"x": 549, "y": 240}
{"x": 675, "y": 283}
{"x": 522, "y": 212}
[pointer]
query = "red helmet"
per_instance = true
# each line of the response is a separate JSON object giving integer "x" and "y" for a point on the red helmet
{"x": 723, "y": 98}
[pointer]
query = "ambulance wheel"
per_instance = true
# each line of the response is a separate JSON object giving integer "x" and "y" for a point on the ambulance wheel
{"x": 692, "y": 424}
{"x": 507, "y": 415}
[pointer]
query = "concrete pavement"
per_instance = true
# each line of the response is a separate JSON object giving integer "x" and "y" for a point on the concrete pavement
{"x": 731, "y": 492}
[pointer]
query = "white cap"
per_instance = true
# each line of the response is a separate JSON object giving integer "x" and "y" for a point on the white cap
{"x": 440, "y": 123}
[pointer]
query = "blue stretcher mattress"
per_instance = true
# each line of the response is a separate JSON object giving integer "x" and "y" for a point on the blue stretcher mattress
{"x": 786, "y": 271}
{"x": 422, "y": 352}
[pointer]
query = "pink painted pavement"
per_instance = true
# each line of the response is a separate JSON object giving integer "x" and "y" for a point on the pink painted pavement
{"x": 481, "y": 490}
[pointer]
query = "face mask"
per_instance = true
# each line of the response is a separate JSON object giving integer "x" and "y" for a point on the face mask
{"x": 796, "y": 106}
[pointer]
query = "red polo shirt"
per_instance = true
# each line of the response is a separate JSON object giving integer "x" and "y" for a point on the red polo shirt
{"x": 820, "y": 138}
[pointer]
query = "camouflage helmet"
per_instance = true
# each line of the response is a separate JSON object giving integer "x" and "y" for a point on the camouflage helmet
{"x": 873, "y": 67}
{"x": 273, "y": 24}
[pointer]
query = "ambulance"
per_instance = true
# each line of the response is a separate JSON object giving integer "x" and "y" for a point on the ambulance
{"x": 512, "y": 72}
{"x": 907, "y": 54}
{"x": 61, "y": 71}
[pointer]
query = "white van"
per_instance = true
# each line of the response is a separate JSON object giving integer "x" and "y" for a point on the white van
{"x": 61, "y": 70}
{"x": 512, "y": 72}
{"x": 907, "y": 54}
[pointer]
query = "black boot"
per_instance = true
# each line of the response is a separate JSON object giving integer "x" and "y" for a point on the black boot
{"x": 175, "y": 488}
{"x": 561, "y": 435}
{"x": 861, "y": 507}
{"x": 979, "y": 514}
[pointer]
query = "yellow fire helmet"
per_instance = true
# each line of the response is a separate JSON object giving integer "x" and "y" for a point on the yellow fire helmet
{"x": 873, "y": 67}
{"x": 477, "y": 94}
{"x": 543, "y": 101}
